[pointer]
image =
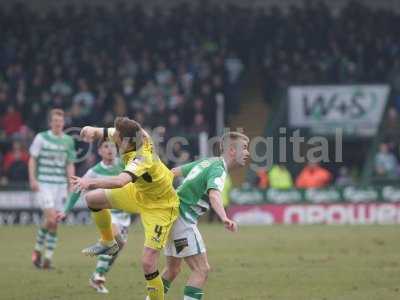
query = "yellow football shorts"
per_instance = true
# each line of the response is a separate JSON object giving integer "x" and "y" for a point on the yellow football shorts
{"x": 157, "y": 222}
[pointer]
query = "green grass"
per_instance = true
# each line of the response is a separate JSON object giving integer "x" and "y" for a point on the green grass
{"x": 279, "y": 262}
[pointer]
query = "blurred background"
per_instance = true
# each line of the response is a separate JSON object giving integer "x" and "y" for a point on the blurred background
{"x": 193, "y": 68}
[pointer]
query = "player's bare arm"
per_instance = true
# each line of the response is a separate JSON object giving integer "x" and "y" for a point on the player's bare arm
{"x": 216, "y": 203}
{"x": 70, "y": 173}
{"x": 90, "y": 133}
{"x": 32, "y": 174}
{"x": 112, "y": 182}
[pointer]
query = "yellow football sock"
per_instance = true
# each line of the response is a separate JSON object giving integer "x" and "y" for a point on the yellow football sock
{"x": 155, "y": 287}
{"x": 102, "y": 219}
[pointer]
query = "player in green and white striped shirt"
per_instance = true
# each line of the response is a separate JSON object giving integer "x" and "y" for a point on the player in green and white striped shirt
{"x": 108, "y": 166}
{"x": 50, "y": 165}
{"x": 201, "y": 188}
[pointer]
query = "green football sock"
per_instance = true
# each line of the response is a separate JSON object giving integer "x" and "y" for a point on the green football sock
{"x": 51, "y": 242}
{"x": 103, "y": 263}
{"x": 167, "y": 285}
{"x": 192, "y": 293}
{"x": 40, "y": 239}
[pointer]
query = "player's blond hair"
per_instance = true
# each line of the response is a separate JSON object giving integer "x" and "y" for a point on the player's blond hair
{"x": 230, "y": 137}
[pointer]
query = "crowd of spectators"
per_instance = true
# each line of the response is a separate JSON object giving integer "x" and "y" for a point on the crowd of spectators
{"x": 386, "y": 164}
{"x": 162, "y": 68}
{"x": 165, "y": 67}
{"x": 312, "y": 45}
{"x": 386, "y": 161}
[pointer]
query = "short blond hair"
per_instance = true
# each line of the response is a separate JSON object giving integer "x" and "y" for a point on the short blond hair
{"x": 232, "y": 136}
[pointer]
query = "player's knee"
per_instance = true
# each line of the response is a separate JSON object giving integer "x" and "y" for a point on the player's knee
{"x": 95, "y": 200}
{"x": 89, "y": 199}
{"x": 203, "y": 270}
{"x": 206, "y": 270}
{"x": 172, "y": 271}
{"x": 51, "y": 223}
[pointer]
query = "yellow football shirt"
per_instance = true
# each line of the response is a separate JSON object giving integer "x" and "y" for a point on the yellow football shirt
{"x": 153, "y": 186}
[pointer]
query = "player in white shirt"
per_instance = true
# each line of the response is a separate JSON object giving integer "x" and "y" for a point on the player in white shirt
{"x": 51, "y": 163}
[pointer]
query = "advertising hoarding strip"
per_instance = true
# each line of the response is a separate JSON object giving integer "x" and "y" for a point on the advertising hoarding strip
{"x": 348, "y": 194}
{"x": 308, "y": 214}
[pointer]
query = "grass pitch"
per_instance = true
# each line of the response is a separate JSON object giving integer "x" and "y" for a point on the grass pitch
{"x": 257, "y": 263}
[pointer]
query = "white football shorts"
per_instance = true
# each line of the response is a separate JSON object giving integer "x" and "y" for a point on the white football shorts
{"x": 51, "y": 195}
{"x": 184, "y": 240}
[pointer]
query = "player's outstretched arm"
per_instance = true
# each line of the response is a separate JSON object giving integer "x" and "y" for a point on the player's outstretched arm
{"x": 112, "y": 182}
{"x": 70, "y": 172}
{"x": 217, "y": 204}
{"x": 90, "y": 133}
{"x": 71, "y": 201}
{"x": 73, "y": 197}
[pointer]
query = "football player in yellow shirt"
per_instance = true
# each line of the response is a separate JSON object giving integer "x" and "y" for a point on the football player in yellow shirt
{"x": 144, "y": 187}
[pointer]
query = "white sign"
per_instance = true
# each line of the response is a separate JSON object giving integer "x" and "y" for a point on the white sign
{"x": 357, "y": 109}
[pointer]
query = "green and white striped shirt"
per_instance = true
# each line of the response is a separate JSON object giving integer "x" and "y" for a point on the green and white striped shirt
{"x": 52, "y": 154}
